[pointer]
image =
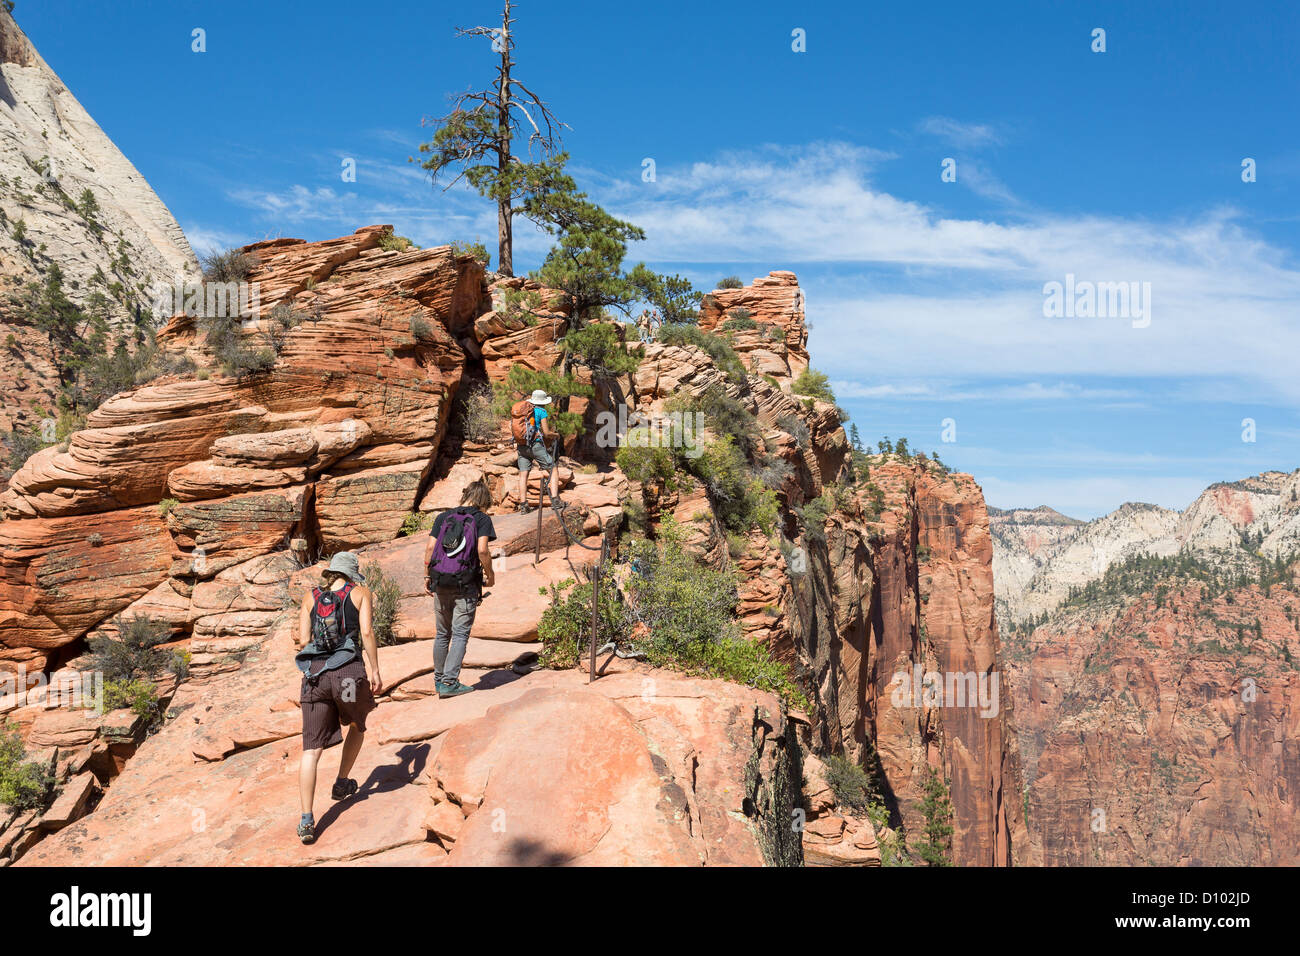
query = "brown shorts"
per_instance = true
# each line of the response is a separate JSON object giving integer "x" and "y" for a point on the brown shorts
{"x": 339, "y": 696}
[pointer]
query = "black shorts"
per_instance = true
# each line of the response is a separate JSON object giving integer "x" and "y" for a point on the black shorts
{"x": 339, "y": 696}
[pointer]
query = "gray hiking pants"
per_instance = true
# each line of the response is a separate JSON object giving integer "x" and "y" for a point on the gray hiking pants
{"x": 454, "y": 614}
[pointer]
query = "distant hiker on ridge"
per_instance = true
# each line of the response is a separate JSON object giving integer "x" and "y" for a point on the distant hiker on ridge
{"x": 531, "y": 428}
{"x": 459, "y": 565}
{"x": 335, "y": 688}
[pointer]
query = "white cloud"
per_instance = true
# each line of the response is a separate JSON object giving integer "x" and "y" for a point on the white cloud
{"x": 966, "y": 135}
{"x": 963, "y": 298}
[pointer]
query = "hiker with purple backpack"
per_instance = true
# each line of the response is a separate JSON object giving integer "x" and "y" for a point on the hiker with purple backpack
{"x": 459, "y": 566}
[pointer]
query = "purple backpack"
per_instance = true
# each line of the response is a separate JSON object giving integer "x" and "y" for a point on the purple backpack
{"x": 454, "y": 563}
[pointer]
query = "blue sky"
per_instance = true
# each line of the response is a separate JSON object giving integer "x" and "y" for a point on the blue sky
{"x": 926, "y": 297}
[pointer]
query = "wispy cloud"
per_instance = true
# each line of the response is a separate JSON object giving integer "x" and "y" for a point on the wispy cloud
{"x": 965, "y": 135}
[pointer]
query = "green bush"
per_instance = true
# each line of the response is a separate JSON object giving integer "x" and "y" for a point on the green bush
{"x": 139, "y": 695}
{"x": 740, "y": 499}
{"x": 690, "y": 610}
{"x": 738, "y": 319}
{"x": 646, "y": 464}
{"x": 385, "y": 606}
{"x": 179, "y": 664}
{"x": 21, "y": 445}
{"x": 416, "y": 521}
{"x": 475, "y": 249}
{"x": 565, "y": 626}
{"x": 392, "y": 243}
{"x": 24, "y": 785}
{"x": 728, "y": 416}
{"x": 814, "y": 384}
{"x": 730, "y": 282}
{"x": 849, "y": 782}
{"x": 240, "y": 355}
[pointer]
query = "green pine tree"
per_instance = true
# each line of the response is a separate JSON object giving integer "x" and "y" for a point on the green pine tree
{"x": 936, "y": 807}
{"x": 477, "y": 139}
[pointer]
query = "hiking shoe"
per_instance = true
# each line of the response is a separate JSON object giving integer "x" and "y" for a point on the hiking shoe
{"x": 454, "y": 689}
{"x": 307, "y": 831}
{"x": 344, "y": 787}
{"x": 559, "y": 504}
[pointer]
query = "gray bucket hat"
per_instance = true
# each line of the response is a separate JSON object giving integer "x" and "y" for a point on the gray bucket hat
{"x": 345, "y": 562}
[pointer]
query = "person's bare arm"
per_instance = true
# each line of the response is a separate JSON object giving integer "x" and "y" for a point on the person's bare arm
{"x": 304, "y": 622}
{"x": 485, "y": 561}
{"x": 368, "y": 644}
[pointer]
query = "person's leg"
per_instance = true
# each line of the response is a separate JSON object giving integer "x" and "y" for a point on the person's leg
{"x": 462, "y": 623}
{"x": 442, "y": 614}
{"x": 351, "y": 747}
{"x": 307, "y": 779}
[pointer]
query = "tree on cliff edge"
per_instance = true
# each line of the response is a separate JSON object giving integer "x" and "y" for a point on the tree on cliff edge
{"x": 477, "y": 139}
{"x": 936, "y": 808}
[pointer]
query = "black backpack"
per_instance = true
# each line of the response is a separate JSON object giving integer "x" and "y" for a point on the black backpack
{"x": 328, "y": 629}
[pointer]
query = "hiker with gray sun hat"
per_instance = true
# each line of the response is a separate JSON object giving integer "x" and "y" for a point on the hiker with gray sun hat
{"x": 335, "y": 641}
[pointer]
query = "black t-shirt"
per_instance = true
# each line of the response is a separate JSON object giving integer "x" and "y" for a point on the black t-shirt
{"x": 482, "y": 525}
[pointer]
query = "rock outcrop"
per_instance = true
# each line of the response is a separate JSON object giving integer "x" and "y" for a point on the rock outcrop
{"x": 127, "y": 243}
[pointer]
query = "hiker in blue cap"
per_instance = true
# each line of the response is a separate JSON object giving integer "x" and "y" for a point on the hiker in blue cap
{"x": 334, "y": 632}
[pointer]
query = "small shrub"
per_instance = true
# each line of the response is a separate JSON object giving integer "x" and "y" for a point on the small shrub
{"x": 690, "y": 610}
{"x": 738, "y": 319}
{"x": 179, "y": 664}
{"x": 228, "y": 266}
{"x": 723, "y": 355}
{"x": 565, "y": 626}
{"x": 730, "y": 282}
{"x": 24, "y": 785}
{"x": 95, "y": 539}
{"x": 475, "y": 249}
{"x": 421, "y": 329}
{"x": 726, "y": 416}
{"x": 392, "y": 243}
{"x": 386, "y": 600}
{"x": 794, "y": 425}
{"x": 815, "y": 385}
{"x": 849, "y": 782}
{"x": 740, "y": 500}
{"x": 415, "y": 522}
{"x": 133, "y": 653}
{"x": 139, "y": 695}
{"x": 646, "y": 464}
{"x": 479, "y": 421}
{"x": 165, "y": 506}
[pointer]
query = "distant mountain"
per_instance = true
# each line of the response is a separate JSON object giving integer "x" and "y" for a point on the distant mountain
{"x": 68, "y": 197}
{"x": 1039, "y": 555}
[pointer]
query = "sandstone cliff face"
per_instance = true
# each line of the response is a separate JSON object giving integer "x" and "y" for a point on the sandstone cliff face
{"x": 885, "y": 602}
{"x": 51, "y": 151}
{"x": 1163, "y": 732}
{"x": 203, "y": 503}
